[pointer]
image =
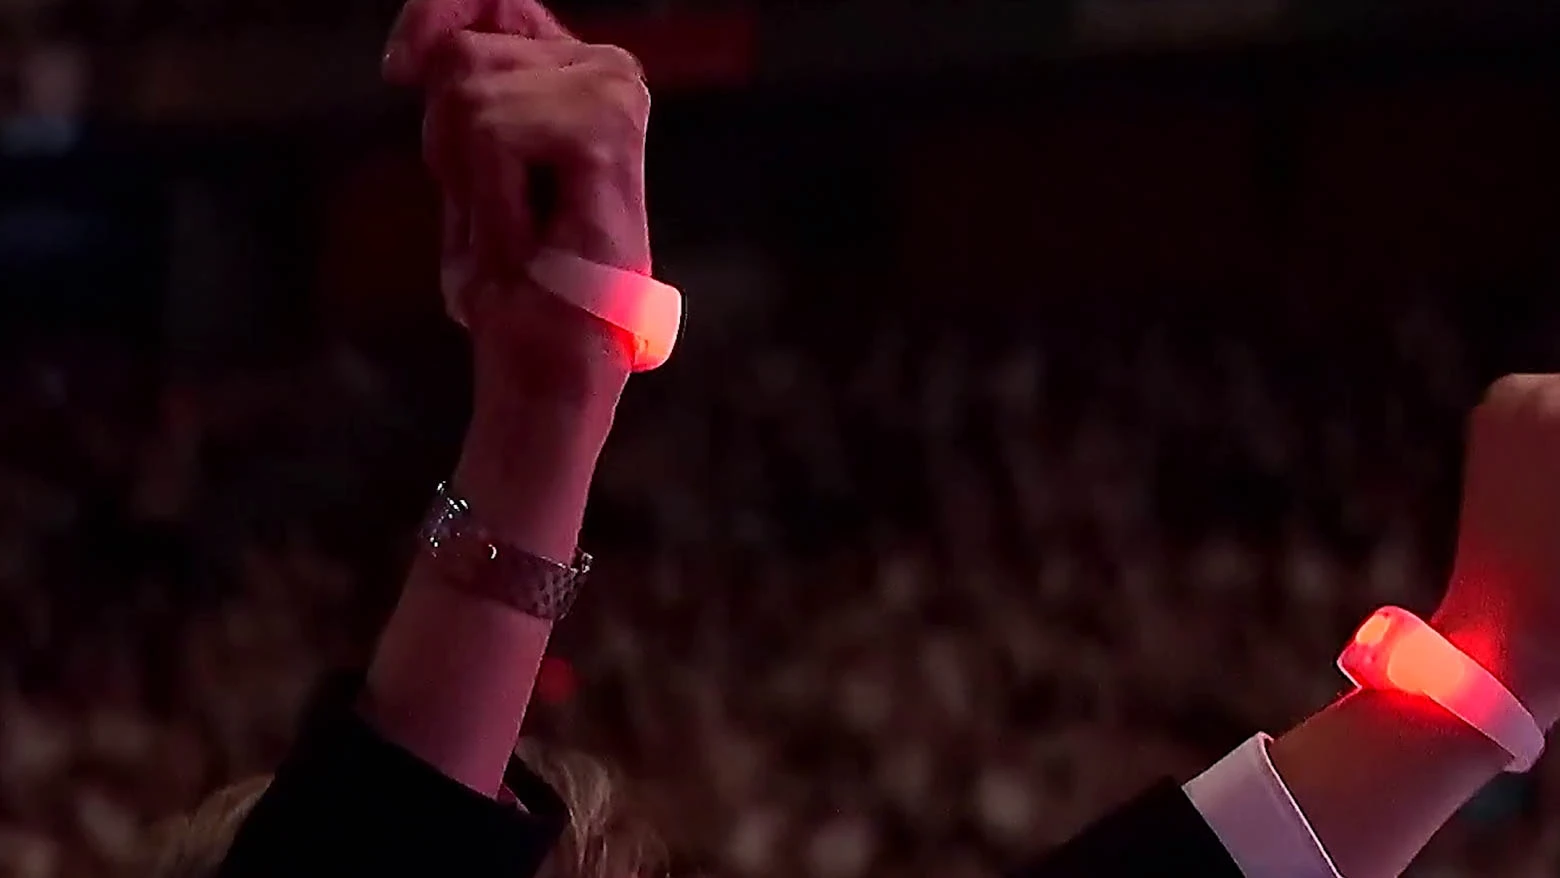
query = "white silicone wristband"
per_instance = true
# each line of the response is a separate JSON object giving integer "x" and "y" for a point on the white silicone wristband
{"x": 1396, "y": 651}
{"x": 640, "y": 305}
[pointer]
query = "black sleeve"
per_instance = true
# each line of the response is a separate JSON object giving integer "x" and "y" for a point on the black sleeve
{"x": 347, "y": 802}
{"x": 1157, "y": 835}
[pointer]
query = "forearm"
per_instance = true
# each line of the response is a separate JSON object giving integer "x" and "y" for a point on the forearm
{"x": 453, "y": 673}
{"x": 1377, "y": 774}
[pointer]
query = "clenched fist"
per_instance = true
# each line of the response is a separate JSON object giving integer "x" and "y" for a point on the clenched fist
{"x": 537, "y": 140}
{"x": 1503, "y": 606}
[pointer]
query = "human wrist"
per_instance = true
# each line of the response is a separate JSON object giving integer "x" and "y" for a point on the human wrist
{"x": 1378, "y": 772}
{"x": 569, "y": 399}
{"x": 532, "y": 459}
{"x": 530, "y": 347}
{"x": 530, "y": 454}
{"x": 1493, "y": 640}
{"x": 617, "y": 234}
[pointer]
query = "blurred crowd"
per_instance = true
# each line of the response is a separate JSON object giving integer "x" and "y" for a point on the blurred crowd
{"x": 101, "y": 18}
{"x": 914, "y": 600}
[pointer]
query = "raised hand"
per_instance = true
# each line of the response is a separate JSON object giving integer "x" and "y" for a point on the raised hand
{"x": 538, "y": 142}
{"x": 536, "y": 137}
{"x": 544, "y": 141}
{"x": 1503, "y": 606}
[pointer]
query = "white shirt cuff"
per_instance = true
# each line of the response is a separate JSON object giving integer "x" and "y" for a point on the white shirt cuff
{"x": 1245, "y": 802}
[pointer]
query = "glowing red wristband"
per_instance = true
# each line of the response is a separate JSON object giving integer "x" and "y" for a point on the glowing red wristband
{"x": 638, "y": 304}
{"x": 1396, "y": 651}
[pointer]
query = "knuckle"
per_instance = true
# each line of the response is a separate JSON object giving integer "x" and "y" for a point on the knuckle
{"x": 1525, "y": 403}
{"x": 465, "y": 52}
{"x": 598, "y": 152}
{"x": 1511, "y": 391}
{"x": 472, "y": 96}
{"x": 618, "y": 61}
{"x": 625, "y": 102}
{"x": 638, "y": 97}
{"x": 596, "y": 146}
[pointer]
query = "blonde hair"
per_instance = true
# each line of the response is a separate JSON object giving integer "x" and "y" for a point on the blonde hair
{"x": 606, "y": 838}
{"x": 193, "y": 845}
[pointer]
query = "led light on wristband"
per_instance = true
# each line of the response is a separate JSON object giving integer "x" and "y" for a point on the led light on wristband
{"x": 640, "y": 305}
{"x": 1396, "y": 651}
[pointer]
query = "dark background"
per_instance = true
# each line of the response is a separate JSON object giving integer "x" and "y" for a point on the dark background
{"x": 1062, "y": 383}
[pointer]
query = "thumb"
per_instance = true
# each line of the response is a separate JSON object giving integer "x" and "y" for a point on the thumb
{"x": 420, "y": 28}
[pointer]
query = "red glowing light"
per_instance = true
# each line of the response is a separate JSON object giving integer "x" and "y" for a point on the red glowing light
{"x": 1424, "y": 664}
{"x": 556, "y": 682}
